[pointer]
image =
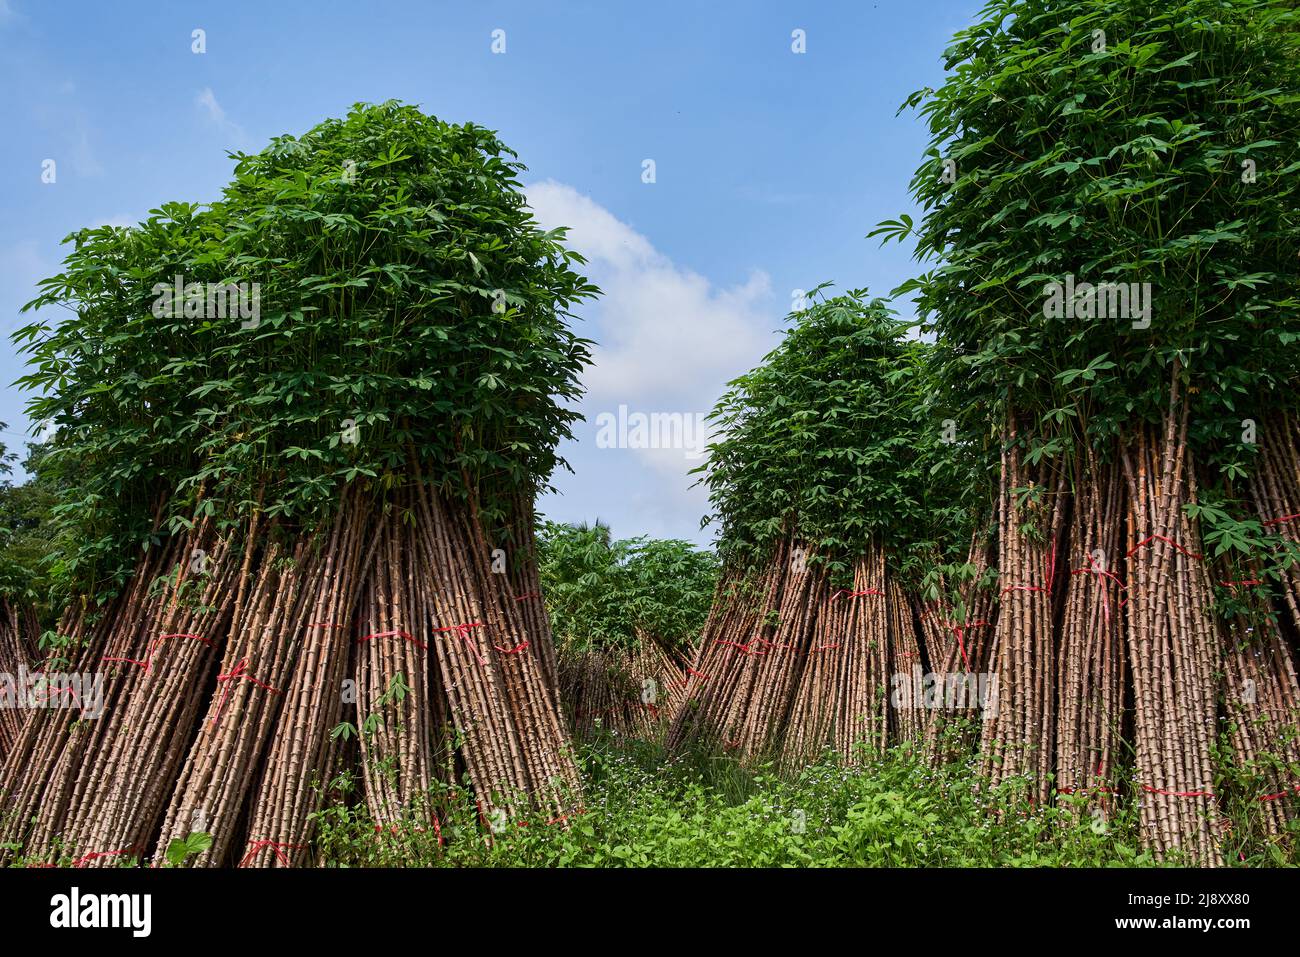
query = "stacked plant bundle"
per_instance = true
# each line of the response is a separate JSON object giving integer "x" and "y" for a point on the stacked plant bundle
{"x": 524, "y": 568}
{"x": 369, "y": 319}
{"x": 908, "y": 724}
{"x": 298, "y": 761}
{"x": 846, "y": 674}
{"x": 758, "y": 682}
{"x": 661, "y": 667}
{"x": 819, "y": 487}
{"x": 1110, "y": 192}
{"x": 1018, "y": 741}
{"x": 859, "y": 710}
{"x": 126, "y": 779}
{"x": 19, "y": 633}
{"x": 1173, "y": 646}
{"x": 600, "y": 688}
{"x": 733, "y": 616}
{"x": 1262, "y": 702}
{"x": 45, "y": 764}
{"x": 1261, "y": 591}
{"x": 399, "y": 704}
{"x": 625, "y": 611}
{"x": 1090, "y": 677}
{"x": 956, "y": 628}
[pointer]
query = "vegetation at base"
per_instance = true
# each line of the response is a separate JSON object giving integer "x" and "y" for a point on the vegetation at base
{"x": 643, "y": 809}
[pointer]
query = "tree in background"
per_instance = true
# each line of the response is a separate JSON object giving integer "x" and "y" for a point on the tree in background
{"x": 626, "y": 614}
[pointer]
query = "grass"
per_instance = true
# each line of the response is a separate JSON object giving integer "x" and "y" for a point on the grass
{"x": 644, "y": 809}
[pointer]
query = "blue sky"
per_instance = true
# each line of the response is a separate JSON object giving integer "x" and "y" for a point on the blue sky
{"x": 770, "y": 166}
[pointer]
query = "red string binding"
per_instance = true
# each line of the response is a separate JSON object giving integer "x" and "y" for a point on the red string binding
{"x": 1179, "y": 794}
{"x": 1284, "y": 518}
{"x": 960, "y": 631}
{"x": 239, "y": 672}
{"x": 1051, "y": 575}
{"x": 95, "y": 855}
{"x": 1160, "y": 538}
{"x": 1280, "y": 794}
{"x": 153, "y": 646}
{"x": 1092, "y": 569}
{"x": 463, "y": 632}
{"x": 856, "y": 594}
{"x": 744, "y": 649}
{"x": 275, "y": 846}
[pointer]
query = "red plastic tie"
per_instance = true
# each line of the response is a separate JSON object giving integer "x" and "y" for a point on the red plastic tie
{"x": 95, "y": 855}
{"x": 512, "y": 651}
{"x": 1051, "y": 575}
{"x": 1284, "y": 518}
{"x": 1280, "y": 794}
{"x": 463, "y": 632}
{"x": 1160, "y": 538}
{"x": 1092, "y": 569}
{"x": 275, "y": 848}
{"x": 153, "y": 646}
{"x": 960, "y": 631}
{"x": 744, "y": 649}
{"x": 1179, "y": 794}
{"x": 856, "y": 594}
{"x": 239, "y": 672}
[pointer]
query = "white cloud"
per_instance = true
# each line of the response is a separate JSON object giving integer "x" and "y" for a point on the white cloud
{"x": 207, "y": 102}
{"x": 669, "y": 339}
{"x": 666, "y": 332}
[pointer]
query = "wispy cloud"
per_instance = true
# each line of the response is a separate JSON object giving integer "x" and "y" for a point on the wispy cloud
{"x": 666, "y": 331}
{"x": 207, "y": 103}
{"x": 121, "y": 219}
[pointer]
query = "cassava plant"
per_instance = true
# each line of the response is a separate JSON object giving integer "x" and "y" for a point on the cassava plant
{"x": 819, "y": 488}
{"x": 1110, "y": 198}
{"x": 355, "y": 365}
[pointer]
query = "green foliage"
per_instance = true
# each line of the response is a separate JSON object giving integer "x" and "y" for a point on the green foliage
{"x": 27, "y": 530}
{"x": 1118, "y": 161}
{"x": 183, "y": 847}
{"x": 411, "y": 313}
{"x": 603, "y": 592}
{"x": 698, "y": 811}
{"x": 835, "y": 436}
